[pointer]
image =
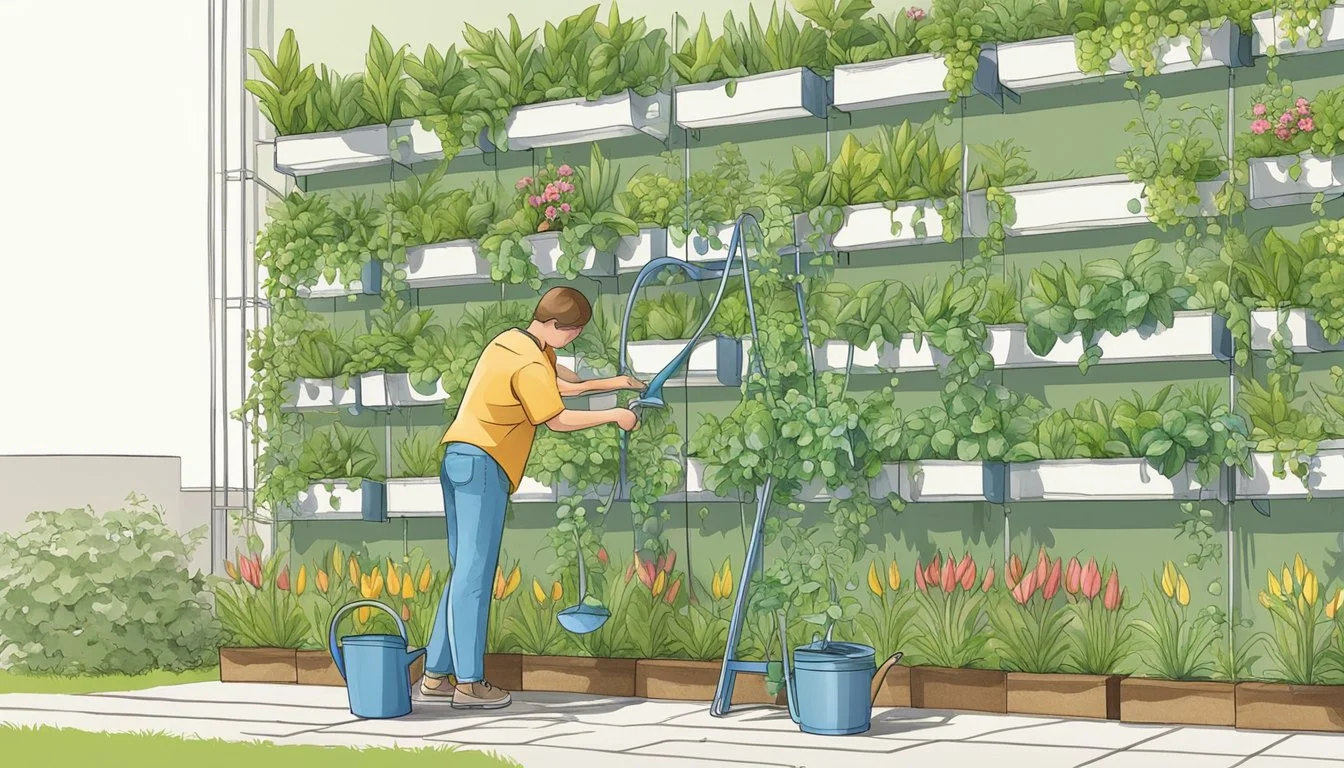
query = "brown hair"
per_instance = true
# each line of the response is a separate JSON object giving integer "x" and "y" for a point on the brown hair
{"x": 568, "y": 307}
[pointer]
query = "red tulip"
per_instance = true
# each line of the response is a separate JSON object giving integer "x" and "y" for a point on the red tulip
{"x": 1025, "y": 588}
{"x": 250, "y": 570}
{"x": 949, "y": 575}
{"x": 1073, "y": 576}
{"x": 1111, "y": 600}
{"x": 1091, "y": 580}
{"x": 966, "y": 573}
{"x": 989, "y": 579}
{"x": 630, "y": 571}
{"x": 660, "y": 565}
{"x": 919, "y": 577}
{"x": 1052, "y": 582}
{"x": 1014, "y": 572}
{"x": 647, "y": 574}
{"x": 672, "y": 592}
{"x": 935, "y": 573}
{"x": 671, "y": 560}
{"x": 602, "y": 555}
{"x": 282, "y": 581}
{"x": 1042, "y": 567}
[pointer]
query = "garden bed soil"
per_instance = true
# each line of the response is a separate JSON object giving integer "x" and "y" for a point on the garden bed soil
{"x": 1177, "y": 702}
{"x": 579, "y": 674}
{"x": 976, "y": 690}
{"x": 258, "y": 665}
{"x": 1281, "y": 707}
{"x": 895, "y": 690}
{"x": 1078, "y": 696}
{"x": 318, "y": 668}
{"x": 683, "y": 680}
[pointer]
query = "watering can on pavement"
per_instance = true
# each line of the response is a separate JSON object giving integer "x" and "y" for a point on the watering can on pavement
{"x": 376, "y": 668}
{"x": 832, "y": 685}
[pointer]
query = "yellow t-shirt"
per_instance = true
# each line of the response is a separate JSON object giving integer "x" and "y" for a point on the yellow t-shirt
{"x": 512, "y": 390}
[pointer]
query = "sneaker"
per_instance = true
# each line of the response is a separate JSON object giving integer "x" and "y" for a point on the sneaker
{"x": 483, "y": 696}
{"x": 440, "y": 687}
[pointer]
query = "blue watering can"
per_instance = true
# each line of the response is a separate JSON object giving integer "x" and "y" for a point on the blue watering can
{"x": 376, "y": 668}
{"x": 832, "y": 685}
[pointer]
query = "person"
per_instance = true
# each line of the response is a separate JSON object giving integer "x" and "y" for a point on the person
{"x": 516, "y": 387}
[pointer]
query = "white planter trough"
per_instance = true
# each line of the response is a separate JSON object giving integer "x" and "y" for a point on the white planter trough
{"x": 312, "y": 153}
{"x": 533, "y": 491}
{"x": 1324, "y": 479}
{"x": 368, "y": 283}
{"x": 816, "y": 492}
{"x": 415, "y": 497}
{"x": 322, "y": 393}
{"x": 869, "y": 226}
{"x": 1192, "y": 337}
{"x": 1071, "y": 205}
{"x": 568, "y": 361}
{"x": 783, "y": 95}
{"x": 713, "y": 362}
{"x": 1272, "y": 183}
{"x": 1269, "y": 31}
{"x": 1102, "y": 480}
{"x": 633, "y": 253}
{"x": 952, "y": 481}
{"x": 698, "y": 248}
{"x": 413, "y": 143}
{"x": 1304, "y": 334}
{"x": 368, "y": 503}
{"x": 890, "y": 82}
{"x": 575, "y": 121}
{"x": 879, "y": 357}
{"x": 394, "y": 390}
{"x": 546, "y": 255}
{"x": 1035, "y": 64}
{"x": 440, "y": 264}
{"x": 695, "y": 490}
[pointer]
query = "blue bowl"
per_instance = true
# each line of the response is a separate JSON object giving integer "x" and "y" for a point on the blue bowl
{"x": 582, "y": 619}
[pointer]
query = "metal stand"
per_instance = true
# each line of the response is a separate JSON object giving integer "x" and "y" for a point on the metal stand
{"x": 723, "y": 694}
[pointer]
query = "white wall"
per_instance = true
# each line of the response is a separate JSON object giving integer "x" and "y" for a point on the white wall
{"x": 103, "y": 325}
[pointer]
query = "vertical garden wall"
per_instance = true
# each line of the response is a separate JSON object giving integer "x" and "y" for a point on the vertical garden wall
{"x": 1074, "y": 282}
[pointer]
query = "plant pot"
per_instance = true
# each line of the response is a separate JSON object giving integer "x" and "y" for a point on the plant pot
{"x": 1177, "y": 702}
{"x": 1283, "y": 707}
{"x": 575, "y": 674}
{"x": 1304, "y": 334}
{"x": 975, "y": 690}
{"x": 1324, "y": 480}
{"x": 457, "y": 262}
{"x": 890, "y": 82}
{"x": 1074, "y": 696}
{"x": 682, "y": 680}
{"x": 1272, "y": 183}
{"x": 782, "y": 95}
{"x": 369, "y": 283}
{"x": 633, "y": 253}
{"x": 895, "y": 690}
{"x": 402, "y": 394}
{"x": 1071, "y": 205}
{"x": 413, "y": 143}
{"x": 1269, "y": 31}
{"x": 258, "y": 665}
{"x": 533, "y": 491}
{"x": 1102, "y": 480}
{"x": 414, "y": 497}
{"x": 322, "y": 393}
{"x": 868, "y": 227}
{"x": 318, "y": 668}
{"x": 697, "y": 248}
{"x": 546, "y": 255}
{"x": 879, "y": 357}
{"x": 695, "y": 490}
{"x": 716, "y": 361}
{"x": 331, "y": 151}
{"x": 578, "y": 121}
{"x": 366, "y": 503}
{"x": 945, "y": 481}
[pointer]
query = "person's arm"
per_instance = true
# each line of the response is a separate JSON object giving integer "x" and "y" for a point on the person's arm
{"x": 570, "y": 420}
{"x": 570, "y": 385}
{"x": 539, "y": 395}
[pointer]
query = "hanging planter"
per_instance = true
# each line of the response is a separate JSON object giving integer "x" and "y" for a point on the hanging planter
{"x": 1102, "y": 480}
{"x": 633, "y": 253}
{"x": 1035, "y": 64}
{"x": 369, "y": 283}
{"x": 322, "y": 393}
{"x": 331, "y": 151}
{"x": 413, "y": 143}
{"x": 337, "y": 500}
{"x": 1304, "y": 333}
{"x": 457, "y": 262}
{"x": 879, "y": 357}
{"x": 783, "y": 95}
{"x": 944, "y": 481}
{"x": 578, "y": 121}
{"x": 1325, "y": 478}
{"x": 1273, "y": 183}
{"x": 414, "y": 497}
{"x": 1071, "y": 205}
{"x": 873, "y": 225}
{"x": 712, "y": 362}
{"x": 546, "y": 255}
{"x": 1269, "y": 31}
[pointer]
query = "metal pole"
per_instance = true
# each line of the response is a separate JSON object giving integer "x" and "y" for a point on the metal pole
{"x": 217, "y": 544}
{"x": 243, "y": 167}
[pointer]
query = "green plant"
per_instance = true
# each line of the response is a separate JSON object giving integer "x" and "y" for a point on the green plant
{"x": 324, "y": 354}
{"x": 394, "y": 329}
{"x": 667, "y": 316}
{"x": 585, "y": 58}
{"x": 77, "y": 586}
{"x": 854, "y": 36}
{"x": 955, "y": 31}
{"x": 596, "y": 223}
{"x": 339, "y": 453}
{"x": 1279, "y": 426}
{"x": 888, "y": 625}
{"x": 383, "y": 94}
{"x": 746, "y": 49}
{"x": 952, "y": 618}
{"x": 1028, "y": 626}
{"x": 257, "y": 607}
{"x": 420, "y": 454}
{"x": 1177, "y": 645}
{"x": 502, "y": 71}
{"x": 1102, "y": 630}
{"x": 422, "y": 212}
{"x": 533, "y": 624}
{"x": 1302, "y": 631}
{"x": 283, "y": 96}
{"x": 1325, "y": 274}
{"x": 442, "y": 91}
{"x": 337, "y": 103}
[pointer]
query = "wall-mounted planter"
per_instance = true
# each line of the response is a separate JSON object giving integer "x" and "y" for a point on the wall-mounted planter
{"x": 890, "y": 82}
{"x": 1075, "y": 696}
{"x": 258, "y": 665}
{"x": 975, "y": 690}
{"x": 457, "y": 262}
{"x": 879, "y": 357}
{"x": 1304, "y": 333}
{"x": 367, "y": 503}
{"x": 696, "y": 491}
{"x": 1272, "y": 183}
{"x": 1192, "y": 337}
{"x": 633, "y": 253}
{"x": 1071, "y": 205}
{"x": 868, "y": 227}
{"x": 331, "y": 151}
{"x": 1101, "y": 480}
{"x": 712, "y": 362}
{"x": 1269, "y": 31}
{"x": 1035, "y": 64}
{"x": 322, "y": 393}
{"x": 697, "y": 248}
{"x": 414, "y": 497}
{"x": 1182, "y": 702}
{"x": 1281, "y": 707}
{"x": 413, "y": 143}
{"x": 533, "y": 491}
{"x": 546, "y": 255}
{"x": 576, "y": 121}
{"x": 949, "y": 481}
{"x": 394, "y": 390}
{"x": 783, "y": 95}
{"x": 1325, "y": 479}
{"x": 369, "y": 283}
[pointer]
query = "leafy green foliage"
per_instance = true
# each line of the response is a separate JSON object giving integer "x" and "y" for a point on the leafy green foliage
{"x": 422, "y": 211}
{"x": 284, "y": 95}
{"x": 323, "y": 354}
{"x": 420, "y": 454}
{"x": 340, "y": 453}
{"x": 853, "y": 36}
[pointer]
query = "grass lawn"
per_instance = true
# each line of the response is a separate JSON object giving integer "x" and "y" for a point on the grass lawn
{"x": 13, "y": 682}
{"x": 63, "y": 746}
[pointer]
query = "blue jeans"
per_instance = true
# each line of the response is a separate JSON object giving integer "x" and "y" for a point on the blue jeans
{"x": 475, "y": 496}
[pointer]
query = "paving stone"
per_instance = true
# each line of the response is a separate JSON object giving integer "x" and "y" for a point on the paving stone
{"x": 1132, "y": 758}
{"x": 711, "y": 753}
{"x": 636, "y": 737}
{"x": 178, "y": 726}
{"x": 417, "y": 725}
{"x": 966, "y": 753}
{"x": 1277, "y": 761}
{"x": 553, "y": 757}
{"x": 208, "y": 710}
{"x": 282, "y": 695}
{"x": 1213, "y": 741}
{"x": 1309, "y": 745}
{"x": 1077, "y": 733}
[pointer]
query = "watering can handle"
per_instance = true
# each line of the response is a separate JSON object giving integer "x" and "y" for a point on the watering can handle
{"x": 337, "y": 655}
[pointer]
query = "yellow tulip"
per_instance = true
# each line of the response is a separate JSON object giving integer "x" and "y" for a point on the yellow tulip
{"x": 557, "y": 592}
{"x": 511, "y": 584}
{"x": 322, "y": 582}
{"x": 1169, "y": 579}
{"x": 893, "y": 576}
{"x": 1182, "y": 592}
{"x": 659, "y": 583}
{"x": 1274, "y": 587}
{"x": 1332, "y": 607}
{"x": 426, "y": 579}
{"x": 393, "y": 580}
{"x": 538, "y": 592}
{"x": 715, "y": 589}
{"x": 1299, "y": 570}
{"x": 1264, "y": 599}
{"x": 407, "y": 588}
{"x": 727, "y": 586}
{"x": 498, "y": 591}
{"x": 301, "y": 581}
{"x": 1287, "y": 582}
{"x": 874, "y": 583}
{"x": 1310, "y": 588}
{"x": 354, "y": 570}
{"x": 336, "y": 560}
{"x": 363, "y": 615}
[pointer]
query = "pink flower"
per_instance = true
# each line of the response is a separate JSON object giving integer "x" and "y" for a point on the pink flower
{"x": 565, "y": 170}
{"x": 564, "y": 207}
{"x": 1286, "y": 118}
{"x": 565, "y": 186}
{"x": 1301, "y": 102}
{"x": 535, "y": 200}
{"x": 1304, "y": 110}
{"x": 1306, "y": 124}
{"x": 1259, "y": 126}
{"x": 914, "y": 14}
{"x": 1283, "y": 134}
{"x": 523, "y": 182}
{"x": 550, "y": 212}
{"x": 1258, "y": 110}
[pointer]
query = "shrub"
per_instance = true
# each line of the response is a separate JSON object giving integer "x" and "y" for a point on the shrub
{"x": 82, "y": 593}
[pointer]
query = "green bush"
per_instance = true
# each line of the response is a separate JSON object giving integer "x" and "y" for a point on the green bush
{"x": 82, "y": 593}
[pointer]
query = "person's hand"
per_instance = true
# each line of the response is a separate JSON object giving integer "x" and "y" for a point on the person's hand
{"x": 630, "y": 383}
{"x": 626, "y": 419}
